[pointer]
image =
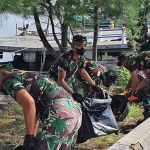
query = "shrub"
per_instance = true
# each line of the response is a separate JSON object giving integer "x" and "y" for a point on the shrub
{"x": 123, "y": 77}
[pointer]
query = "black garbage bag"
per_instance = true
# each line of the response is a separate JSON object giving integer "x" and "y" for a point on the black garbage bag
{"x": 97, "y": 118}
{"x": 120, "y": 107}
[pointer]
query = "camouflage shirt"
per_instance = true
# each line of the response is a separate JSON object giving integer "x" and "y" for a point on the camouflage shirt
{"x": 66, "y": 63}
{"x": 137, "y": 61}
{"x": 36, "y": 86}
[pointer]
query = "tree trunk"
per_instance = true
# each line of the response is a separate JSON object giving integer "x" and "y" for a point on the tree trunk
{"x": 64, "y": 37}
{"x": 53, "y": 31}
{"x": 42, "y": 36}
{"x": 95, "y": 33}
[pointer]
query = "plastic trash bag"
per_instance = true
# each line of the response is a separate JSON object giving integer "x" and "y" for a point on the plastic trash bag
{"x": 97, "y": 117}
{"x": 120, "y": 107}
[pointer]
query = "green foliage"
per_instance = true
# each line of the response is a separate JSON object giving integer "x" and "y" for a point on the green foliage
{"x": 123, "y": 77}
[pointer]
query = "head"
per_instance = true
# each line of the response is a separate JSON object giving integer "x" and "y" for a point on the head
{"x": 109, "y": 78}
{"x": 122, "y": 59}
{"x": 4, "y": 70}
{"x": 93, "y": 69}
{"x": 79, "y": 44}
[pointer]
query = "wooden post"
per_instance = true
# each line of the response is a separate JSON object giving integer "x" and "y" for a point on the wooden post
{"x": 123, "y": 36}
{"x": 100, "y": 31}
{"x": 16, "y": 29}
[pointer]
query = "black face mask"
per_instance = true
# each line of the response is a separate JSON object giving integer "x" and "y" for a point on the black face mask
{"x": 80, "y": 51}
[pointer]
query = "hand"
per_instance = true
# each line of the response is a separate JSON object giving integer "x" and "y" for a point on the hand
{"x": 77, "y": 97}
{"x": 20, "y": 147}
{"x": 29, "y": 143}
{"x": 127, "y": 95}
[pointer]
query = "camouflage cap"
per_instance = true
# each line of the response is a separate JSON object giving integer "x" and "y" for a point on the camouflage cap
{"x": 80, "y": 39}
{"x": 8, "y": 66}
{"x": 122, "y": 56}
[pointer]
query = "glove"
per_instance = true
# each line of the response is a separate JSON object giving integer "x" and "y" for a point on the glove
{"x": 127, "y": 95}
{"x": 130, "y": 97}
{"x": 96, "y": 88}
{"x": 29, "y": 143}
{"x": 20, "y": 147}
{"x": 77, "y": 97}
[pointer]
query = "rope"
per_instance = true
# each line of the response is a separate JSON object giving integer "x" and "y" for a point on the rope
{"x": 24, "y": 48}
{"x": 44, "y": 72}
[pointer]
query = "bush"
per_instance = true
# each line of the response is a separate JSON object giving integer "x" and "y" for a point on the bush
{"x": 123, "y": 77}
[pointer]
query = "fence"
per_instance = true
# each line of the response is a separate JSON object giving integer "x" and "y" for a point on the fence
{"x": 104, "y": 33}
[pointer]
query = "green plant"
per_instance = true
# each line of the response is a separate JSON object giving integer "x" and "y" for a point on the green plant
{"x": 123, "y": 77}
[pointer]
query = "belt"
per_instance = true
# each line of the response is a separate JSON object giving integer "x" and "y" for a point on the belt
{"x": 60, "y": 101}
{"x": 41, "y": 105}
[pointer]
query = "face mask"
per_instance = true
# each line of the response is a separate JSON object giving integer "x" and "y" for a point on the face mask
{"x": 80, "y": 51}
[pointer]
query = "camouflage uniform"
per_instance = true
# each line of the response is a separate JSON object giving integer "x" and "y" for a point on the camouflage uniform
{"x": 66, "y": 63}
{"x": 138, "y": 61}
{"x": 94, "y": 70}
{"x": 58, "y": 121}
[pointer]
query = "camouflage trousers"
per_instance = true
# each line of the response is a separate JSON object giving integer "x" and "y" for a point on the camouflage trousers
{"x": 146, "y": 98}
{"x": 58, "y": 125}
{"x": 85, "y": 88}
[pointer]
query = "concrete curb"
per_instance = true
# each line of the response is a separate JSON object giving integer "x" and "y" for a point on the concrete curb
{"x": 137, "y": 139}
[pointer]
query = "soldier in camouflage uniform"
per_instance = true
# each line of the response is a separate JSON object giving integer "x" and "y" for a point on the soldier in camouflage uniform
{"x": 134, "y": 62}
{"x": 97, "y": 73}
{"x": 65, "y": 66}
{"x": 51, "y": 116}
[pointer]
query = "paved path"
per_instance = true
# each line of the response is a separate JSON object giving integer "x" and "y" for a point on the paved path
{"x": 139, "y": 138}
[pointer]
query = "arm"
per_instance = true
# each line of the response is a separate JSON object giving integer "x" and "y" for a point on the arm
{"x": 86, "y": 76}
{"x": 142, "y": 84}
{"x": 135, "y": 81}
{"x": 62, "y": 82}
{"x": 36, "y": 126}
{"x": 29, "y": 110}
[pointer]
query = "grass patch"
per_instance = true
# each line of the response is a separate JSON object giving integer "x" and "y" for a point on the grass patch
{"x": 11, "y": 126}
{"x": 135, "y": 111}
